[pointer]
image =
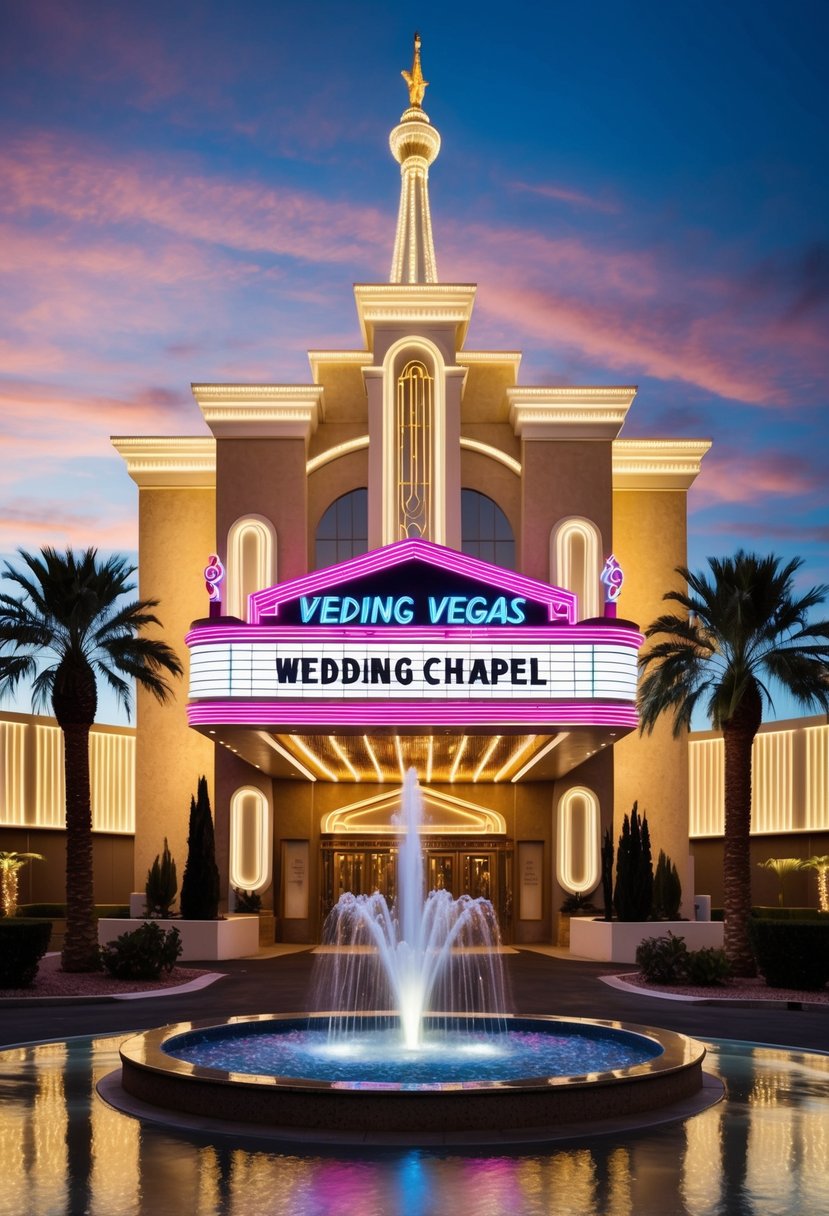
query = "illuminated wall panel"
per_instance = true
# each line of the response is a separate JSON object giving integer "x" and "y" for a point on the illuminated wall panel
{"x": 706, "y": 788}
{"x": 772, "y": 797}
{"x": 578, "y": 837}
{"x": 12, "y": 772}
{"x": 816, "y": 799}
{"x": 50, "y": 809}
{"x": 251, "y": 836}
{"x": 112, "y": 779}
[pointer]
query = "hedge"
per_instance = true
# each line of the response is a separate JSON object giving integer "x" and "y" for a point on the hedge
{"x": 58, "y": 911}
{"x": 791, "y": 953}
{"x": 23, "y": 944}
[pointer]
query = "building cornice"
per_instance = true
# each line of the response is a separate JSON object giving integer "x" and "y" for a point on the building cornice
{"x": 260, "y": 411}
{"x": 414, "y": 305}
{"x": 169, "y": 460}
{"x": 657, "y": 464}
{"x": 337, "y": 358}
{"x": 569, "y": 412}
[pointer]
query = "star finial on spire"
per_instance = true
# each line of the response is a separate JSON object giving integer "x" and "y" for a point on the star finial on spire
{"x": 414, "y": 79}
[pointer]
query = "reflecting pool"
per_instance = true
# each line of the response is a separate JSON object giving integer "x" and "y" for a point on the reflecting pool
{"x": 762, "y": 1152}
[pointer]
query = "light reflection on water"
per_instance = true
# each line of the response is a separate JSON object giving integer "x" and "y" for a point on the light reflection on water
{"x": 63, "y": 1152}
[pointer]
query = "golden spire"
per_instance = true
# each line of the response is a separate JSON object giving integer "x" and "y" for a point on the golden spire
{"x": 414, "y": 79}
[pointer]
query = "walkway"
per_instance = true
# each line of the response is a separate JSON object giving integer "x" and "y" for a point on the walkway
{"x": 540, "y": 984}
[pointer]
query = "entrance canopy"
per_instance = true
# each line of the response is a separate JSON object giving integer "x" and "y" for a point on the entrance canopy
{"x": 413, "y": 654}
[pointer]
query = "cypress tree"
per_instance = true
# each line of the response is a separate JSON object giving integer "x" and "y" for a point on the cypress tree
{"x": 607, "y": 874}
{"x": 633, "y": 896}
{"x": 200, "y": 885}
{"x": 162, "y": 884}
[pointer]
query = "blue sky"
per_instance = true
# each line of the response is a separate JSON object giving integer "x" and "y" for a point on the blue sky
{"x": 640, "y": 191}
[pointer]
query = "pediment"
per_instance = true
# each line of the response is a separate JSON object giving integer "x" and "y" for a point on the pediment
{"x": 443, "y": 814}
{"x": 428, "y": 575}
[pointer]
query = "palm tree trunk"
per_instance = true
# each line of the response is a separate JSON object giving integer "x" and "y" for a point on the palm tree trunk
{"x": 738, "y": 737}
{"x": 80, "y": 950}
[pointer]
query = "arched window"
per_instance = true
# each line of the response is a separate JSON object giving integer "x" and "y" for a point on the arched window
{"x": 343, "y": 530}
{"x": 251, "y": 561}
{"x": 576, "y": 562}
{"x": 485, "y": 530}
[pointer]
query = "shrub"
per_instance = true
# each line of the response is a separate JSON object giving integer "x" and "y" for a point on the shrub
{"x": 607, "y": 874}
{"x": 22, "y": 945}
{"x": 247, "y": 901}
{"x": 791, "y": 953}
{"x": 162, "y": 884}
{"x": 667, "y": 889}
{"x": 663, "y": 960}
{"x": 633, "y": 896}
{"x": 143, "y": 953}
{"x": 200, "y": 885}
{"x": 707, "y": 967}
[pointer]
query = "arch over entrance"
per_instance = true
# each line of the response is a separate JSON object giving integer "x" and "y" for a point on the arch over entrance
{"x": 465, "y": 846}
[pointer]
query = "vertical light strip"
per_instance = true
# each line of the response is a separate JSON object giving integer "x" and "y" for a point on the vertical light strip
{"x": 430, "y": 755}
{"x": 373, "y": 758}
{"x": 250, "y": 839}
{"x": 50, "y": 797}
{"x": 816, "y": 809}
{"x": 401, "y": 762}
{"x": 531, "y": 763}
{"x": 514, "y": 757}
{"x": 13, "y": 791}
{"x": 455, "y": 763}
{"x": 284, "y": 753}
{"x": 486, "y": 756}
{"x": 341, "y": 755}
{"x": 313, "y": 757}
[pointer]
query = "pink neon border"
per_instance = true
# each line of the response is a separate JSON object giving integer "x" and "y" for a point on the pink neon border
{"x": 561, "y": 604}
{"x": 419, "y": 713}
{"x": 203, "y": 635}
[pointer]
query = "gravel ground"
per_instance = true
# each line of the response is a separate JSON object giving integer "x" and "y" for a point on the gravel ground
{"x": 51, "y": 981}
{"x": 732, "y": 990}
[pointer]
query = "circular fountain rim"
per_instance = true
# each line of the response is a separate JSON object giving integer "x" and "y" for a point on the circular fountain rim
{"x": 158, "y": 1088}
{"x": 145, "y": 1050}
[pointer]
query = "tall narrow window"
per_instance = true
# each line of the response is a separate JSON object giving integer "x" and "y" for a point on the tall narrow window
{"x": 485, "y": 530}
{"x": 343, "y": 529}
{"x": 576, "y": 562}
{"x": 414, "y": 450}
{"x": 251, "y": 561}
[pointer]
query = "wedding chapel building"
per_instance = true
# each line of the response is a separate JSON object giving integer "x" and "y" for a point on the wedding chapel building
{"x": 411, "y": 560}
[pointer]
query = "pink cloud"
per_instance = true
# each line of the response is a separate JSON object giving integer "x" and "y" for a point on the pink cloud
{"x": 734, "y": 477}
{"x": 562, "y": 194}
{"x": 28, "y": 524}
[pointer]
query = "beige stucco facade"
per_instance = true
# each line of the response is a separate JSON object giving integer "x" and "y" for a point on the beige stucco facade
{"x": 570, "y": 490}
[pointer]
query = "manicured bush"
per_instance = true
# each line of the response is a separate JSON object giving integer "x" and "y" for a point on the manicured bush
{"x": 790, "y": 953}
{"x": 772, "y": 912}
{"x": 663, "y": 960}
{"x": 247, "y": 901}
{"x": 143, "y": 953}
{"x": 607, "y": 874}
{"x": 23, "y": 944}
{"x": 707, "y": 967}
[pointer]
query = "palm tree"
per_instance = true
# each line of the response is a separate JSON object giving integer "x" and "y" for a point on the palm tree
{"x": 742, "y": 626}
{"x": 67, "y": 627}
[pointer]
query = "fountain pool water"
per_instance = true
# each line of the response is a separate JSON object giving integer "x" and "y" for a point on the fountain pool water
{"x": 410, "y": 1035}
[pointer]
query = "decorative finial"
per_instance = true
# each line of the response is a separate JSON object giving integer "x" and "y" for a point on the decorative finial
{"x": 414, "y": 79}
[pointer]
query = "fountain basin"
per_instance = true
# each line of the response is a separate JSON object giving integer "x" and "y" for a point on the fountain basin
{"x": 510, "y": 1101}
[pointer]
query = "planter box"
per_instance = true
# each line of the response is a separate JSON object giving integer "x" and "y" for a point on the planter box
{"x": 237, "y": 936}
{"x": 616, "y": 941}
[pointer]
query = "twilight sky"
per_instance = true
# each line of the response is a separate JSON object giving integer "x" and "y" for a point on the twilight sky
{"x": 639, "y": 189}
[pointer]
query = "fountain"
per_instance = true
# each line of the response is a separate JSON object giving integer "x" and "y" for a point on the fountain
{"x": 411, "y": 1036}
